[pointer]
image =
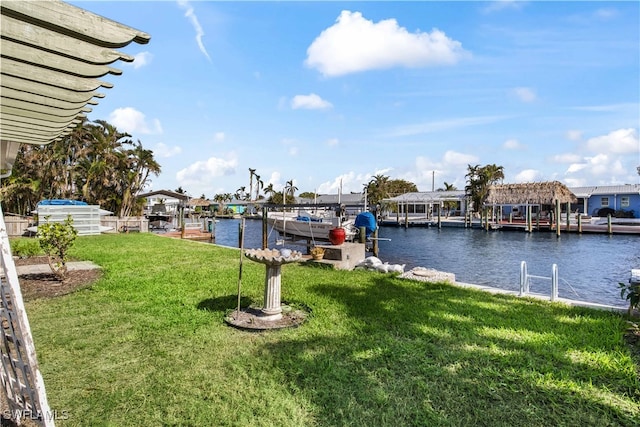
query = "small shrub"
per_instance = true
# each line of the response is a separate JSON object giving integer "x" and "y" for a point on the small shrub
{"x": 631, "y": 292}
{"x": 56, "y": 239}
{"x": 26, "y": 247}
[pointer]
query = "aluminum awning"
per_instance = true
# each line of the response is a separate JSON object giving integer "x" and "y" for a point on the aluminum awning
{"x": 52, "y": 56}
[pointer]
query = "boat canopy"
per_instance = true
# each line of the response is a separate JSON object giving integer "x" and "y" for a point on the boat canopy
{"x": 61, "y": 202}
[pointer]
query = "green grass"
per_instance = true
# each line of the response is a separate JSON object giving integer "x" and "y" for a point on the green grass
{"x": 147, "y": 345}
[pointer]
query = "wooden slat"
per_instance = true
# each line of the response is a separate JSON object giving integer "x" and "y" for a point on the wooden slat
{"x": 29, "y": 87}
{"x": 52, "y": 41}
{"x": 33, "y": 98}
{"x": 51, "y": 77}
{"x": 42, "y": 109}
{"x": 31, "y": 55}
{"x": 76, "y": 22}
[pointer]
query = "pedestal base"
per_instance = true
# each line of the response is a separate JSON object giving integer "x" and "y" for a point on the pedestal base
{"x": 253, "y": 318}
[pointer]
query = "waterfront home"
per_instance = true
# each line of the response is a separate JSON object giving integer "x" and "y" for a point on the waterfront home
{"x": 424, "y": 205}
{"x": 169, "y": 199}
{"x": 621, "y": 201}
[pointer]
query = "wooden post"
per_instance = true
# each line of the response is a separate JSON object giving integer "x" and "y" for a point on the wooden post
{"x": 568, "y": 217}
{"x": 363, "y": 234}
{"x": 579, "y": 223}
{"x": 529, "y": 222}
{"x": 240, "y": 233}
{"x": 439, "y": 217}
{"x": 265, "y": 229}
{"x": 609, "y": 227}
{"x": 406, "y": 215}
{"x": 538, "y": 218}
{"x": 557, "y": 217}
{"x": 375, "y": 243}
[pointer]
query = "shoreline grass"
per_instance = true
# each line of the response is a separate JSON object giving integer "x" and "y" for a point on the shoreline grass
{"x": 147, "y": 345}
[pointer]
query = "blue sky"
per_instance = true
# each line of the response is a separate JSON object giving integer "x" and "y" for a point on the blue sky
{"x": 324, "y": 93}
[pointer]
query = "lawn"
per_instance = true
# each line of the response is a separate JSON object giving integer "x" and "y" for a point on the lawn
{"x": 147, "y": 345}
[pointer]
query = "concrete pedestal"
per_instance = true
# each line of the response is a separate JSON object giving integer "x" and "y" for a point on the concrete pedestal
{"x": 344, "y": 256}
{"x": 273, "y": 278}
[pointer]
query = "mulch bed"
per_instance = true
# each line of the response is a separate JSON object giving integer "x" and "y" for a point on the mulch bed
{"x": 48, "y": 285}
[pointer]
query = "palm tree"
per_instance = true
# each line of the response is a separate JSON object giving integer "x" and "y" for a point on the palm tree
{"x": 259, "y": 186}
{"x": 140, "y": 164}
{"x": 479, "y": 178}
{"x": 289, "y": 192}
{"x": 377, "y": 189}
{"x": 269, "y": 191}
{"x": 240, "y": 193}
{"x": 252, "y": 172}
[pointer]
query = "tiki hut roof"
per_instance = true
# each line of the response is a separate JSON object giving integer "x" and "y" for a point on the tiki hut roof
{"x": 530, "y": 193}
{"x": 199, "y": 202}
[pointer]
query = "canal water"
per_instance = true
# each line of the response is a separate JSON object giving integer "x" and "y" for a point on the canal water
{"x": 590, "y": 266}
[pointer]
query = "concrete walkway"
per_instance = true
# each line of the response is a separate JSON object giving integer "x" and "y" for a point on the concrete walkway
{"x": 44, "y": 268}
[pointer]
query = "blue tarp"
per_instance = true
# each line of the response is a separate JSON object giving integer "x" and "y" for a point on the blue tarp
{"x": 367, "y": 220}
{"x": 61, "y": 202}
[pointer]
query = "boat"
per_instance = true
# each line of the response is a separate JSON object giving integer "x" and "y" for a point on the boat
{"x": 314, "y": 226}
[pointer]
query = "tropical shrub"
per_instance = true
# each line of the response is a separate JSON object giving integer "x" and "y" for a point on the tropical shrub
{"x": 56, "y": 239}
{"x": 631, "y": 292}
{"x": 25, "y": 247}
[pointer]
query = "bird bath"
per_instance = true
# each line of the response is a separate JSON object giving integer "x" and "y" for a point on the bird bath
{"x": 273, "y": 259}
{"x": 271, "y": 315}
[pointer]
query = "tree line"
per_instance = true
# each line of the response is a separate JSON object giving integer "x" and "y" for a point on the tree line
{"x": 94, "y": 163}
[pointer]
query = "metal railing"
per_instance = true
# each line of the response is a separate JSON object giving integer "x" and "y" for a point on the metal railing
{"x": 525, "y": 280}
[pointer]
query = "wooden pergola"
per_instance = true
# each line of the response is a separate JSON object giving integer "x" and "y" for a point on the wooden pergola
{"x": 52, "y": 56}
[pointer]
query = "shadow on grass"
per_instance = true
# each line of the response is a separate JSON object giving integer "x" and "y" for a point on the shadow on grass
{"x": 432, "y": 354}
{"x": 224, "y": 303}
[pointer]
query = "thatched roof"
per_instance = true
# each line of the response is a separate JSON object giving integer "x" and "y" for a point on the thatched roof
{"x": 530, "y": 193}
{"x": 199, "y": 202}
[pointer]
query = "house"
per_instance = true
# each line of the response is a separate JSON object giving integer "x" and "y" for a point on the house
{"x": 618, "y": 200}
{"x": 169, "y": 199}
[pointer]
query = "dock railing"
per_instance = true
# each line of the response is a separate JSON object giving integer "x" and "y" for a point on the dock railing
{"x": 525, "y": 277}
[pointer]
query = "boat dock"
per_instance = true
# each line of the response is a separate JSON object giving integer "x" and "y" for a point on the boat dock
{"x": 602, "y": 226}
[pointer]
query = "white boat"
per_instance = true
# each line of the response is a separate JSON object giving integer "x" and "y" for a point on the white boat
{"x": 310, "y": 226}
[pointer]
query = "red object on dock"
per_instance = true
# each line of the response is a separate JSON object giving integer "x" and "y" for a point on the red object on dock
{"x": 337, "y": 236}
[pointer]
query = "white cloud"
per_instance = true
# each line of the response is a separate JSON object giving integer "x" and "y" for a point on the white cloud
{"x": 309, "y": 102}
{"x": 620, "y": 141}
{"x": 574, "y": 135}
{"x": 332, "y": 142}
{"x": 499, "y": 5}
{"x": 293, "y": 151}
{"x": 576, "y": 167}
{"x": 163, "y": 150}
{"x": 141, "y": 59}
{"x": 189, "y": 13}
{"x": 355, "y": 44}
{"x": 443, "y": 125}
{"x": 528, "y": 175}
{"x": 453, "y": 158}
{"x": 513, "y": 144}
{"x": 201, "y": 173}
{"x": 524, "y": 94}
{"x": 347, "y": 182}
{"x": 566, "y": 158}
{"x": 132, "y": 121}
{"x": 605, "y": 14}
{"x": 219, "y": 136}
